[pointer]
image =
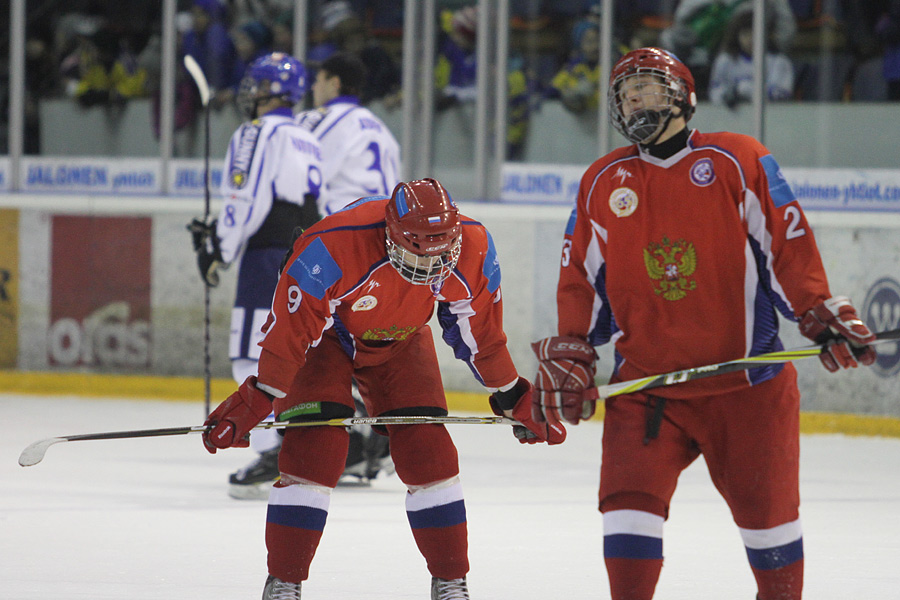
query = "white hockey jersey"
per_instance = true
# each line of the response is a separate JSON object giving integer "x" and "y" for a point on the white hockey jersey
{"x": 270, "y": 158}
{"x": 362, "y": 157}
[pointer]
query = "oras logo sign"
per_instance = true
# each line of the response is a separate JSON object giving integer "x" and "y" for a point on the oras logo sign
{"x": 881, "y": 312}
{"x": 105, "y": 337}
{"x": 100, "y": 292}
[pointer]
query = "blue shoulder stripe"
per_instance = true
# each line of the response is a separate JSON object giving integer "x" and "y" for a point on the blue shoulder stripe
{"x": 491, "y": 267}
{"x": 779, "y": 188}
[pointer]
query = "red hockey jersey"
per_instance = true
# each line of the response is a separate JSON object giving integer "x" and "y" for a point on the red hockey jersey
{"x": 686, "y": 261}
{"x": 339, "y": 277}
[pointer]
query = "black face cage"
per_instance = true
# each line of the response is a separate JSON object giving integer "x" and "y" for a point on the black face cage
{"x": 246, "y": 97}
{"x": 250, "y": 93}
{"x": 650, "y": 103}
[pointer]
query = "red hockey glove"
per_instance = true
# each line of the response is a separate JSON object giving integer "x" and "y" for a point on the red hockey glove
{"x": 229, "y": 424}
{"x": 835, "y": 324}
{"x": 521, "y": 401}
{"x": 565, "y": 374}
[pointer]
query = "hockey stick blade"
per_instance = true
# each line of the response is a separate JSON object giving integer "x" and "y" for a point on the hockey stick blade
{"x": 676, "y": 377}
{"x": 35, "y": 452}
{"x": 193, "y": 67}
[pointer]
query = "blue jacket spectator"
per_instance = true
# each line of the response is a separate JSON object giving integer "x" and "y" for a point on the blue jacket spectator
{"x": 209, "y": 43}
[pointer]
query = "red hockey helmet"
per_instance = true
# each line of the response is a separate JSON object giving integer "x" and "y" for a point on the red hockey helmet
{"x": 645, "y": 86}
{"x": 423, "y": 231}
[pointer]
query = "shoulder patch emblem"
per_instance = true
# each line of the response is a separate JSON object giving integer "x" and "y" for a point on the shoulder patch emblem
{"x": 623, "y": 201}
{"x": 702, "y": 172}
{"x": 238, "y": 179}
{"x": 671, "y": 264}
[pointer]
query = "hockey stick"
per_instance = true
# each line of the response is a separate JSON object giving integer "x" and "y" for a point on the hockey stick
{"x": 676, "y": 377}
{"x": 35, "y": 452}
{"x": 203, "y": 87}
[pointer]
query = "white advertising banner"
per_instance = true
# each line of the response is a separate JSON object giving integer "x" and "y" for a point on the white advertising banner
{"x": 187, "y": 177}
{"x": 846, "y": 189}
{"x": 90, "y": 175}
{"x": 869, "y": 190}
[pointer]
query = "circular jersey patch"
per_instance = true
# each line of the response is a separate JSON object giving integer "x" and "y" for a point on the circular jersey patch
{"x": 364, "y": 303}
{"x": 623, "y": 201}
{"x": 702, "y": 172}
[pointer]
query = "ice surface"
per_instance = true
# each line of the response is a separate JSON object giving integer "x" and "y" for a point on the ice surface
{"x": 149, "y": 518}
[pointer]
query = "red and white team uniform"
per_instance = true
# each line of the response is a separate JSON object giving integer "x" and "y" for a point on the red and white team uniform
{"x": 711, "y": 234}
{"x": 682, "y": 262}
{"x": 342, "y": 311}
{"x": 339, "y": 278}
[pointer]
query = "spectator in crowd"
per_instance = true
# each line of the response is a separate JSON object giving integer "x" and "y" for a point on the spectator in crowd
{"x": 577, "y": 84}
{"x": 343, "y": 31}
{"x": 699, "y": 26}
{"x": 102, "y": 70}
{"x": 283, "y": 32}
{"x": 187, "y": 98}
{"x": 888, "y": 30}
{"x": 731, "y": 81}
{"x": 456, "y": 76}
{"x": 455, "y": 72}
{"x": 251, "y": 41}
{"x": 209, "y": 43}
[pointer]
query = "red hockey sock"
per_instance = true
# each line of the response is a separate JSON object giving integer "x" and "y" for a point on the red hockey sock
{"x": 633, "y": 579}
{"x": 437, "y": 517}
{"x": 785, "y": 583}
{"x": 294, "y": 524}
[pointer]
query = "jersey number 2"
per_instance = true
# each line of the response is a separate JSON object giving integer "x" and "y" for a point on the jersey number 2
{"x": 794, "y": 230}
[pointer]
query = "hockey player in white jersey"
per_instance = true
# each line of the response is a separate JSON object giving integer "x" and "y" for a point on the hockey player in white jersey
{"x": 362, "y": 157}
{"x": 271, "y": 183}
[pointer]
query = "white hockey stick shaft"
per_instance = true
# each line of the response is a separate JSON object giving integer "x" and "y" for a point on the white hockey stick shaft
{"x": 35, "y": 452}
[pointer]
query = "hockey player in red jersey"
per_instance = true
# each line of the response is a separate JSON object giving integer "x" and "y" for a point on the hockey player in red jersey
{"x": 354, "y": 300}
{"x": 682, "y": 250}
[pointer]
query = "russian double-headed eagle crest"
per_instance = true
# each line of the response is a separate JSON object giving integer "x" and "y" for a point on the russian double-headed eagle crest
{"x": 671, "y": 264}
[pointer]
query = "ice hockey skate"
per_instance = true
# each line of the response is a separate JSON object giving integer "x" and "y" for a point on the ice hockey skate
{"x": 254, "y": 481}
{"x": 369, "y": 454}
{"x": 449, "y": 589}
{"x": 277, "y": 589}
